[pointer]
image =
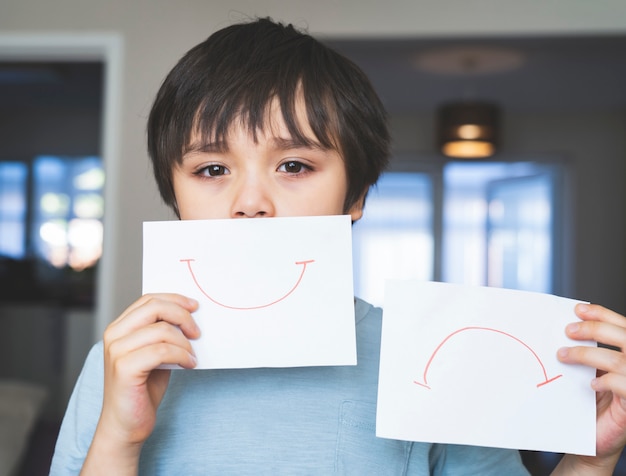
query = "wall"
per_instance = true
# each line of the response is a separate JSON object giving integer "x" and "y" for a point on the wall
{"x": 45, "y": 132}
{"x": 156, "y": 32}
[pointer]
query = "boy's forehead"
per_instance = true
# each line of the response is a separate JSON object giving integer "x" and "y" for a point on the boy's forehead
{"x": 274, "y": 123}
{"x": 272, "y": 127}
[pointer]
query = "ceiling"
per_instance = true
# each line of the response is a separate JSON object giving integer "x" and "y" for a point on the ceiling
{"x": 562, "y": 74}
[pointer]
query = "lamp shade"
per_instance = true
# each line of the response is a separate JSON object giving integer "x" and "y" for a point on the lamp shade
{"x": 468, "y": 130}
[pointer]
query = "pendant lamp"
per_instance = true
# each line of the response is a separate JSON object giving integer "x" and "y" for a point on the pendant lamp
{"x": 468, "y": 130}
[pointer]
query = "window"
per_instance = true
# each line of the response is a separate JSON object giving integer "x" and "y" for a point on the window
{"x": 498, "y": 226}
{"x": 394, "y": 239}
{"x": 13, "y": 207}
{"x": 68, "y": 211}
{"x": 51, "y": 228}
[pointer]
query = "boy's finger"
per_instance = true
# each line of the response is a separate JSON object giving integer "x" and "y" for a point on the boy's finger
{"x": 183, "y": 301}
{"x": 600, "y": 358}
{"x": 154, "y": 309}
{"x": 137, "y": 364}
{"x": 160, "y": 332}
{"x": 595, "y": 312}
{"x": 598, "y": 331}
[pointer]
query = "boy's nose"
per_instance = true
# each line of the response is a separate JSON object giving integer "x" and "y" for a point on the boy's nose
{"x": 253, "y": 200}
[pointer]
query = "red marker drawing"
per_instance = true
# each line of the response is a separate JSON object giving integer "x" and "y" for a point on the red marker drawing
{"x": 546, "y": 379}
{"x": 193, "y": 276}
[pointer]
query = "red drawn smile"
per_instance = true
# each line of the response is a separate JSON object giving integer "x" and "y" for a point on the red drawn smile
{"x": 193, "y": 276}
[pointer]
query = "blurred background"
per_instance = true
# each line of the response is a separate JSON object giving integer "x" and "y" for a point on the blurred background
{"x": 509, "y": 161}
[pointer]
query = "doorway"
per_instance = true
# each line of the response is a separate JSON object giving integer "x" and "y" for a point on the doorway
{"x": 59, "y": 111}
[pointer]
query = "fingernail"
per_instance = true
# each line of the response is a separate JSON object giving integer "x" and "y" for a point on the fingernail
{"x": 582, "y": 307}
{"x": 562, "y": 352}
{"x": 573, "y": 328}
{"x": 192, "y": 302}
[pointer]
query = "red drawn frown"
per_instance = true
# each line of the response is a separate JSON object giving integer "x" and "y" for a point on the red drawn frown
{"x": 546, "y": 379}
{"x": 284, "y": 296}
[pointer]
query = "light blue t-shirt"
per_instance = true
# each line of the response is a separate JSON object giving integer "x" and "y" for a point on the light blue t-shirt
{"x": 294, "y": 421}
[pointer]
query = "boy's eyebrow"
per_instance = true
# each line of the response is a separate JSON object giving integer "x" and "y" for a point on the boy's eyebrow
{"x": 291, "y": 143}
{"x": 280, "y": 143}
{"x": 208, "y": 147}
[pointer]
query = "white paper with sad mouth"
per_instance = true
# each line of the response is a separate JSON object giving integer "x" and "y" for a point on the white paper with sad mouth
{"x": 273, "y": 292}
{"x": 477, "y": 366}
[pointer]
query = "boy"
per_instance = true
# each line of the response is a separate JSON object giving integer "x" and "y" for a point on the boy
{"x": 260, "y": 121}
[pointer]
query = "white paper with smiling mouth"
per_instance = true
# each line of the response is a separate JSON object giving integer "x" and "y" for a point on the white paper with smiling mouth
{"x": 273, "y": 292}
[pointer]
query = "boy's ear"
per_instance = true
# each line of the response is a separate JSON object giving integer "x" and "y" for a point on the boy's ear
{"x": 356, "y": 210}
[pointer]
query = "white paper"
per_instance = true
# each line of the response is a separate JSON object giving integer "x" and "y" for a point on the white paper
{"x": 477, "y": 366}
{"x": 273, "y": 292}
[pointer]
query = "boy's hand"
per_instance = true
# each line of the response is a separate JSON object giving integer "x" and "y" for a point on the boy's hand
{"x": 154, "y": 330}
{"x": 607, "y": 327}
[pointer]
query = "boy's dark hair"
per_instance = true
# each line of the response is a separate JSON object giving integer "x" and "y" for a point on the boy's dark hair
{"x": 239, "y": 70}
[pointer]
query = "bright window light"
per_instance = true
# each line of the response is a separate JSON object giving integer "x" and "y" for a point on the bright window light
{"x": 394, "y": 239}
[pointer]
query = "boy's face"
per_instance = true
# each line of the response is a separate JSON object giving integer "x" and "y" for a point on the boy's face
{"x": 272, "y": 177}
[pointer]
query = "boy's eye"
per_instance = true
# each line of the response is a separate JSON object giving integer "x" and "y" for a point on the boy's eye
{"x": 214, "y": 170}
{"x": 292, "y": 167}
